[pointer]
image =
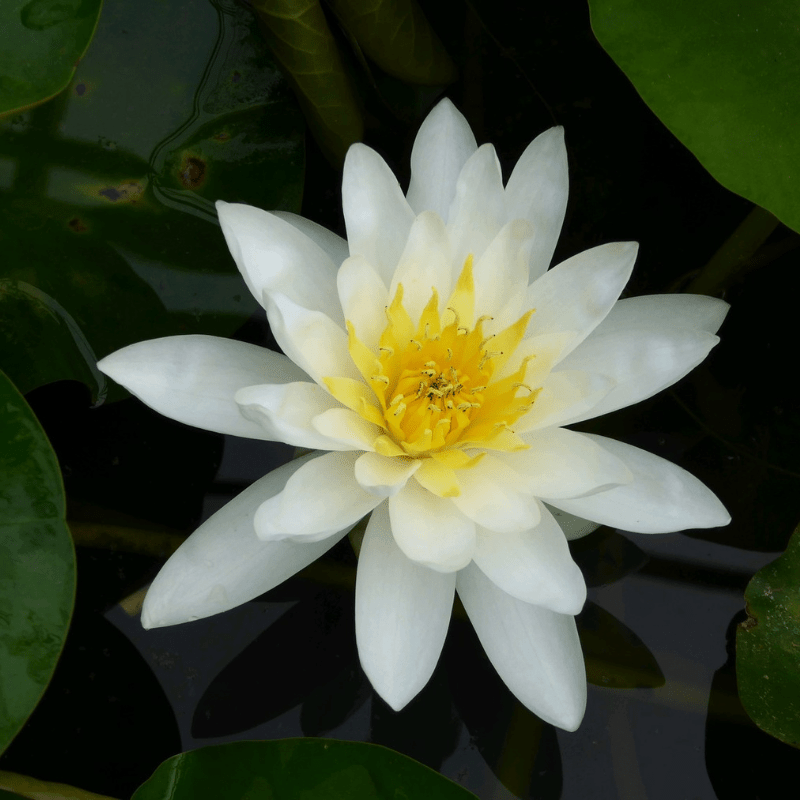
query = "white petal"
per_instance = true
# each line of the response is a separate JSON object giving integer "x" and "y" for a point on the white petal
{"x": 274, "y": 256}
{"x": 578, "y": 293}
{"x": 223, "y": 564}
{"x": 402, "y": 614}
{"x": 426, "y": 264}
{"x": 376, "y": 214}
{"x": 331, "y": 243}
{"x": 443, "y": 145}
{"x": 565, "y": 395}
{"x": 494, "y": 496}
{"x": 311, "y": 339}
{"x": 478, "y": 210}
{"x": 364, "y": 299}
{"x": 563, "y": 463}
{"x": 347, "y": 428}
{"x": 193, "y": 379}
{"x": 431, "y": 530}
{"x": 573, "y": 527}
{"x": 317, "y": 501}
{"x": 537, "y": 191}
{"x": 533, "y": 565}
{"x": 285, "y": 412}
{"x": 534, "y": 650}
{"x": 501, "y": 274}
{"x": 662, "y": 497}
{"x": 384, "y": 476}
{"x": 641, "y": 361}
{"x": 662, "y": 311}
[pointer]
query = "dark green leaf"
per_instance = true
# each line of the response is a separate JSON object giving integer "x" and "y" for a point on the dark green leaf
{"x": 296, "y": 769}
{"x": 615, "y": 655}
{"x": 396, "y": 35}
{"x": 41, "y": 343}
{"x": 37, "y": 562}
{"x": 768, "y": 647}
{"x": 720, "y": 77}
{"x": 300, "y": 39}
{"x": 41, "y": 41}
{"x": 109, "y": 189}
{"x": 29, "y": 787}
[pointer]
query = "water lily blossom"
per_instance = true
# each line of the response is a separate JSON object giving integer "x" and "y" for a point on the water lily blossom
{"x": 432, "y": 362}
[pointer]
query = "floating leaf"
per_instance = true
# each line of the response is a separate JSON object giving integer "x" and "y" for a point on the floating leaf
{"x": 296, "y": 769}
{"x": 41, "y": 41}
{"x": 109, "y": 189}
{"x": 768, "y": 647}
{"x": 298, "y": 34}
{"x": 25, "y": 786}
{"x": 720, "y": 79}
{"x": 396, "y": 35}
{"x": 37, "y": 562}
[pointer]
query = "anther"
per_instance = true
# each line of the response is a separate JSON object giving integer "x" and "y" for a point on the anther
{"x": 400, "y": 409}
{"x": 431, "y": 373}
{"x": 522, "y": 386}
{"x": 414, "y": 341}
{"x": 380, "y": 378}
{"x": 388, "y": 350}
{"x": 430, "y": 363}
{"x": 395, "y": 400}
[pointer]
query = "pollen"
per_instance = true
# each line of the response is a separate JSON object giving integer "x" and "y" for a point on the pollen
{"x": 437, "y": 386}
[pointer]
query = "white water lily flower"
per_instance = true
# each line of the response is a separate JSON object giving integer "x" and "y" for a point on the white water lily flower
{"x": 433, "y": 361}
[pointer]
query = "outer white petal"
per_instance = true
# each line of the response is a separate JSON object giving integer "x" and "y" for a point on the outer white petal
{"x": 578, "y": 293}
{"x": 642, "y": 362}
{"x": 274, "y": 256}
{"x": 318, "y": 500}
{"x": 331, "y": 243}
{"x": 384, "y": 476}
{"x": 662, "y": 311}
{"x": 402, "y": 614}
{"x": 285, "y": 411}
{"x": 426, "y": 263}
{"x": 533, "y": 565}
{"x": 193, "y": 379}
{"x": 364, "y": 299}
{"x": 376, "y": 213}
{"x": 574, "y": 527}
{"x": 662, "y": 497}
{"x": 223, "y": 564}
{"x": 496, "y": 497}
{"x": 563, "y": 463}
{"x": 442, "y": 147}
{"x": 537, "y": 191}
{"x": 565, "y": 395}
{"x": 534, "y": 650}
{"x": 311, "y": 339}
{"x": 431, "y": 530}
{"x": 478, "y": 210}
{"x": 348, "y": 428}
{"x": 501, "y": 275}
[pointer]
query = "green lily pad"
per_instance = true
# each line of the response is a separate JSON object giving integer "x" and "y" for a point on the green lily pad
{"x": 296, "y": 769}
{"x": 109, "y": 189}
{"x": 41, "y": 41}
{"x": 768, "y": 647}
{"x": 720, "y": 77}
{"x": 37, "y": 562}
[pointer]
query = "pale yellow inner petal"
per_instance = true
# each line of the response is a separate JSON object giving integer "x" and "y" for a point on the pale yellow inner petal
{"x": 436, "y": 387}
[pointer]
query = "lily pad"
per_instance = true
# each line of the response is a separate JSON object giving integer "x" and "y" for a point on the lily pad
{"x": 37, "y": 562}
{"x": 109, "y": 189}
{"x": 296, "y": 769}
{"x": 719, "y": 76}
{"x": 41, "y": 41}
{"x": 768, "y": 647}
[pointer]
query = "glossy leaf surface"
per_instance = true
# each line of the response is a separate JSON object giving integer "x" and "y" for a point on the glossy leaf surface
{"x": 768, "y": 647}
{"x": 719, "y": 80}
{"x": 41, "y": 41}
{"x": 295, "y": 769}
{"x": 37, "y": 562}
{"x": 109, "y": 189}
